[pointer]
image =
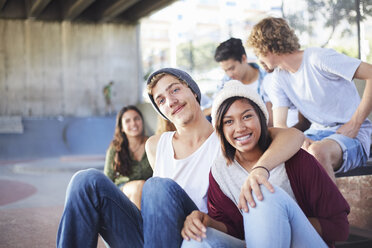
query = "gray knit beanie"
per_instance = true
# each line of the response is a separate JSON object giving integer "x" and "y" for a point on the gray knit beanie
{"x": 181, "y": 75}
{"x": 236, "y": 88}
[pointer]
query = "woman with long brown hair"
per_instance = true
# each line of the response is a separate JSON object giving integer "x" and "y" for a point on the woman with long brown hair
{"x": 126, "y": 160}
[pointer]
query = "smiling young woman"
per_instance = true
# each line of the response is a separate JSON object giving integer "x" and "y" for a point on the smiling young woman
{"x": 297, "y": 214}
{"x": 126, "y": 160}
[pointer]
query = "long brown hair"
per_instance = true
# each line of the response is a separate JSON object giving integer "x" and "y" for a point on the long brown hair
{"x": 120, "y": 143}
{"x": 228, "y": 150}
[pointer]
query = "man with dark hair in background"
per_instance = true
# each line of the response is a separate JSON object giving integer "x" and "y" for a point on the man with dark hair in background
{"x": 232, "y": 58}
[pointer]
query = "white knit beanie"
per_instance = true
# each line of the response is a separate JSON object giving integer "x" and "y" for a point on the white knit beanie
{"x": 234, "y": 88}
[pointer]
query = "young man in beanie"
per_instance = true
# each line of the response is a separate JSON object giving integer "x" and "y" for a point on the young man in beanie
{"x": 181, "y": 160}
{"x": 94, "y": 205}
{"x": 318, "y": 81}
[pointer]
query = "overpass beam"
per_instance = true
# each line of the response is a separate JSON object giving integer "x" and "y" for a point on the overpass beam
{"x": 77, "y": 8}
{"x": 117, "y": 8}
{"x": 2, "y": 3}
{"x": 36, "y": 7}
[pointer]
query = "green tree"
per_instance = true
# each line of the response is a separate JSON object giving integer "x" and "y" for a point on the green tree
{"x": 332, "y": 13}
{"x": 196, "y": 57}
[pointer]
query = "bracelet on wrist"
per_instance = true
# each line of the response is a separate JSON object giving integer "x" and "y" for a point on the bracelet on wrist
{"x": 262, "y": 167}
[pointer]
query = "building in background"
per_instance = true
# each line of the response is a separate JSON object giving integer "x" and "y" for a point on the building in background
{"x": 186, "y": 33}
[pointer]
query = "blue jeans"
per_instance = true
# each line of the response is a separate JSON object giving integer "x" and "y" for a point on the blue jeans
{"x": 277, "y": 221}
{"x": 94, "y": 205}
{"x": 165, "y": 206}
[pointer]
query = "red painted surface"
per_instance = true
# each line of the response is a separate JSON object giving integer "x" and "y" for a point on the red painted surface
{"x": 31, "y": 227}
{"x": 12, "y": 191}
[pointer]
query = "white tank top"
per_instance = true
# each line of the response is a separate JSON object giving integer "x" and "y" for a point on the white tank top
{"x": 190, "y": 173}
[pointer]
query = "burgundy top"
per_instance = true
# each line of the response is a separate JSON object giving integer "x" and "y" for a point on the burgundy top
{"x": 315, "y": 192}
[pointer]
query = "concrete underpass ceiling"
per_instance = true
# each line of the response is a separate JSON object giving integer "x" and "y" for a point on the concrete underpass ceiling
{"x": 125, "y": 11}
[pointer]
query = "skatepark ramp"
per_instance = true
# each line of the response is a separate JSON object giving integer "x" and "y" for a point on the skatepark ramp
{"x": 29, "y": 138}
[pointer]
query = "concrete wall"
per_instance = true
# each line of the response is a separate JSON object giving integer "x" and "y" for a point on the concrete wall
{"x": 54, "y": 68}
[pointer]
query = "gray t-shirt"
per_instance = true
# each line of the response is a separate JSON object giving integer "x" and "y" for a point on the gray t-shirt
{"x": 322, "y": 89}
{"x": 292, "y": 117}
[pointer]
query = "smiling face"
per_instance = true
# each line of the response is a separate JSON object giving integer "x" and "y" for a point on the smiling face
{"x": 241, "y": 126}
{"x": 132, "y": 123}
{"x": 175, "y": 100}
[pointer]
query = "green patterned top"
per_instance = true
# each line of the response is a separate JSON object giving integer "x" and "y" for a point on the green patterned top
{"x": 140, "y": 170}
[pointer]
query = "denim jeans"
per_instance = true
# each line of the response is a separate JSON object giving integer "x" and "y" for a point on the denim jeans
{"x": 165, "y": 206}
{"x": 94, "y": 205}
{"x": 353, "y": 154}
{"x": 277, "y": 221}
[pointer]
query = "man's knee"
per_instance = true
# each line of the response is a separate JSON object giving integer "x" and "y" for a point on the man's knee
{"x": 159, "y": 191}
{"x": 85, "y": 178}
{"x": 315, "y": 149}
{"x": 319, "y": 152}
{"x": 158, "y": 186}
{"x": 328, "y": 153}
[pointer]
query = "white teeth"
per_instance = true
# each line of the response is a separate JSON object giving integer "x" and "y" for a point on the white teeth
{"x": 243, "y": 137}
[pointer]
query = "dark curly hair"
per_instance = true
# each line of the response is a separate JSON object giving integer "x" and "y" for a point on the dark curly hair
{"x": 120, "y": 143}
{"x": 273, "y": 35}
{"x": 230, "y": 49}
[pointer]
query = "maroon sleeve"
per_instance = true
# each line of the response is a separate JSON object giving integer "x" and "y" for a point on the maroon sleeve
{"x": 318, "y": 196}
{"x": 221, "y": 208}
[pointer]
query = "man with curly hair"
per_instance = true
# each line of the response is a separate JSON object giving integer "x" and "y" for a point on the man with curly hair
{"x": 319, "y": 82}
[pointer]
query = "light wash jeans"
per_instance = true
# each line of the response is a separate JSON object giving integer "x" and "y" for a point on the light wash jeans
{"x": 94, "y": 205}
{"x": 165, "y": 206}
{"x": 277, "y": 221}
{"x": 353, "y": 154}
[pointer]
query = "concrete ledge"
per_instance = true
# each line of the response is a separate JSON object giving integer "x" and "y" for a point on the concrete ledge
{"x": 360, "y": 171}
{"x": 357, "y": 190}
{"x": 11, "y": 124}
{"x": 63, "y": 164}
{"x": 52, "y": 137}
{"x": 360, "y": 238}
